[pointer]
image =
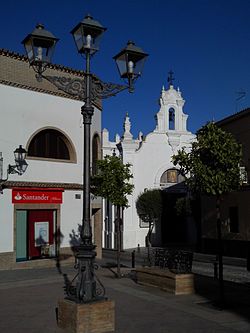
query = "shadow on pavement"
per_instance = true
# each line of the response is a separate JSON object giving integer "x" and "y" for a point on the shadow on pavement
{"x": 237, "y": 296}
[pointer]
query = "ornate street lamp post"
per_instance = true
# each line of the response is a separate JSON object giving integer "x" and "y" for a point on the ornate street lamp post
{"x": 39, "y": 47}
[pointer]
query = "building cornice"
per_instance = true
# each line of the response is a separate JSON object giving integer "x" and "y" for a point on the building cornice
{"x": 17, "y": 73}
{"x": 23, "y": 184}
{"x": 21, "y": 57}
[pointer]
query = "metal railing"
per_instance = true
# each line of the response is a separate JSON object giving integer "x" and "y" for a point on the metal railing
{"x": 177, "y": 261}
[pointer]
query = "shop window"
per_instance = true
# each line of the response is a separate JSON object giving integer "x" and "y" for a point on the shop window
{"x": 234, "y": 219}
{"x": 51, "y": 144}
{"x": 36, "y": 234}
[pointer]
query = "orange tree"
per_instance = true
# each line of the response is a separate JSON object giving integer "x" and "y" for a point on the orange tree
{"x": 149, "y": 208}
{"x": 211, "y": 167}
{"x": 112, "y": 181}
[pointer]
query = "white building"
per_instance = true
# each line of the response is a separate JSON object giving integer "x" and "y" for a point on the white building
{"x": 48, "y": 196}
{"x": 150, "y": 157}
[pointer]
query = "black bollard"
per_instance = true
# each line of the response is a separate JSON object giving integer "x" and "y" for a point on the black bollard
{"x": 248, "y": 256}
{"x": 133, "y": 259}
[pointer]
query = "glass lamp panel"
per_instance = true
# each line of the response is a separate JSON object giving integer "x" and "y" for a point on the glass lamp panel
{"x": 29, "y": 50}
{"x": 43, "y": 49}
{"x": 20, "y": 154}
{"x": 87, "y": 39}
{"x": 138, "y": 67}
{"x": 78, "y": 38}
{"x": 22, "y": 166}
{"x": 138, "y": 61}
{"x": 96, "y": 41}
{"x": 122, "y": 66}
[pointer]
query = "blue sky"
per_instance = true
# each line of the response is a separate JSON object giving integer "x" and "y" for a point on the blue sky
{"x": 205, "y": 42}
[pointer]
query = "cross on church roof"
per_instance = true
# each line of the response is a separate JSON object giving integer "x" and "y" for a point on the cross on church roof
{"x": 170, "y": 77}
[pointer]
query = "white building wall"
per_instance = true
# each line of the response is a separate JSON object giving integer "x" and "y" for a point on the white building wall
{"x": 23, "y": 113}
{"x": 71, "y": 216}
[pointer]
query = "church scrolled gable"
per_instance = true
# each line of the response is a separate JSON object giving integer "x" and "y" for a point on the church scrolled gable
{"x": 171, "y": 117}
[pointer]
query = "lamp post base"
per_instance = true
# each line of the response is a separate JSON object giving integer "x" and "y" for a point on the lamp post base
{"x": 96, "y": 317}
{"x": 86, "y": 287}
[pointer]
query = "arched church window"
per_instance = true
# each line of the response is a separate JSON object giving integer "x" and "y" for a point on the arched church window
{"x": 171, "y": 176}
{"x": 96, "y": 152}
{"x": 171, "y": 119}
{"x": 51, "y": 144}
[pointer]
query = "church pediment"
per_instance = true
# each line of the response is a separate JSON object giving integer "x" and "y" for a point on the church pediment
{"x": 171, "y": 116}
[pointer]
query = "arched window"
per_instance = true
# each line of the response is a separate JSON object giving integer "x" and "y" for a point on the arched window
{"x": 171, "y": 119}
{"x": 96, "y": 152}
{"x": 51, "y": 144}
{"x": 171, "y": 176}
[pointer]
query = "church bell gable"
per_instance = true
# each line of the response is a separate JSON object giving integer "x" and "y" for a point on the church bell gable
{"x": 171, "y": 117}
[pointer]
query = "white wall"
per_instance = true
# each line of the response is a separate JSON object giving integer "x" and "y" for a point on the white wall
{"x": 71, "y": 216}
{"x": 25, "y": 112}
{"x": 155, "y": 153}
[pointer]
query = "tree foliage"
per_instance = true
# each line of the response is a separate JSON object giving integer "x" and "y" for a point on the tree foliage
{"x": 112, "y": 180}
{"x": 149, "y": 204}
{"x": 212, "y": 165}
{"x": 183, "y": 206}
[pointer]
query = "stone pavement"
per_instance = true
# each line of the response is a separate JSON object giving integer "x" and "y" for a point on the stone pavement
{"x": 28, "y": 299}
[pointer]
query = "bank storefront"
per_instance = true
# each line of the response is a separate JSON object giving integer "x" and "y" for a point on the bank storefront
{"x": 36, "y": 222}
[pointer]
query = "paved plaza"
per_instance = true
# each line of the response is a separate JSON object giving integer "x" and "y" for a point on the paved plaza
{"x": 29, "y": 299}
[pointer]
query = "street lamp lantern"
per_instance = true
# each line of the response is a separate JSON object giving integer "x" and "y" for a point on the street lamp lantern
{"x": 87, "y": 35}
{"x": 20, "y": 155}
{"x": 130, "y": 62}
{"x": 40, "y": 46}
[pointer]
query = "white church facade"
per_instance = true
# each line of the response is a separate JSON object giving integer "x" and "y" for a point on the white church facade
{"x": 151, "y": 163}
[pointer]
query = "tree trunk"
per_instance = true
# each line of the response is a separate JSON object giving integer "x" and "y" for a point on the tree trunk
{"x": 149, "y": 241}
{"x": 118, "y": 235}
{"x": 220, "y": 253}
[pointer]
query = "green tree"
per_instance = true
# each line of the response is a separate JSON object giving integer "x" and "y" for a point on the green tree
{"x": 211, "y": 167}
{"x": 149, "y": 208}
{"x": 112, "y": 181}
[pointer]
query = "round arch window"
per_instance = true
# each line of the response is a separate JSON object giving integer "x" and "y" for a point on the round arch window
{"x": 171, "y": 176}
{"x": 51, "y": 144}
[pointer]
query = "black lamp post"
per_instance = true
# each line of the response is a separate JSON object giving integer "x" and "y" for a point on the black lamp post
{"x": 39, "y": 46}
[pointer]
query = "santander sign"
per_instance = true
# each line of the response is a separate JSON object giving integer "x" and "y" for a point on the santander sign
{"x": 37, "y": 196}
